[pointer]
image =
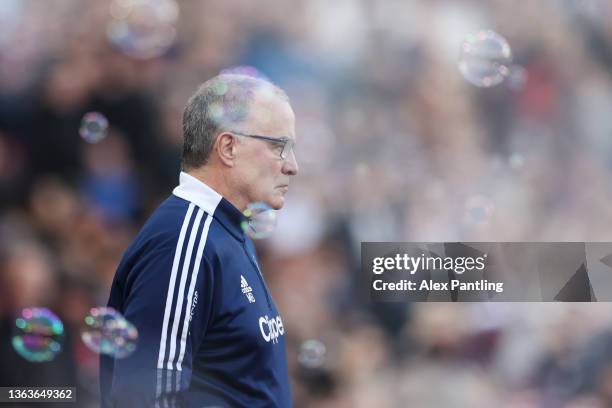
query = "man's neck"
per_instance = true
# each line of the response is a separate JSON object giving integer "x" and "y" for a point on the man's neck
{"x": 220, "y": 184}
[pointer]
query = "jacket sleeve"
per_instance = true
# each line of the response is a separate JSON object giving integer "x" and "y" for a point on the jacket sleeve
{"x": 167, "y": 295}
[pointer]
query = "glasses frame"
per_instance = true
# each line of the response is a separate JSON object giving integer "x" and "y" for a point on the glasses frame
{"x": 287, "y": 143}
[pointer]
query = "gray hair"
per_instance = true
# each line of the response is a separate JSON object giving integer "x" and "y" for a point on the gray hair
{"x": 219, "y": 103}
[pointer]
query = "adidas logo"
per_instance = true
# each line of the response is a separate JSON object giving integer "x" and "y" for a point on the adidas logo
{"x": 246, "y": 289}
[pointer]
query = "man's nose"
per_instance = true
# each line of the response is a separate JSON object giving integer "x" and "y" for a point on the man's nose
{"x": 290, "y": 166}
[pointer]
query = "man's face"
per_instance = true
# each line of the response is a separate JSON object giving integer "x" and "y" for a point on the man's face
{"x": 264, "y": 175}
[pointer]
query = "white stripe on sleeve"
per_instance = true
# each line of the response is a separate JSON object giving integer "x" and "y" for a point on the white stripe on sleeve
{"x": 170, "y": 294}
{"x": 181, "y": 291}
{"x": 194, "y": 277}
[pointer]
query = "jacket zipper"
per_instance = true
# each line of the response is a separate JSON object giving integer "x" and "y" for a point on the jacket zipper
{"x": 259, "y": 275}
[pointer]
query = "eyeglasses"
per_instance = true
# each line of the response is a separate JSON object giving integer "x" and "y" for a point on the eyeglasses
{"x": 286, "y": 143}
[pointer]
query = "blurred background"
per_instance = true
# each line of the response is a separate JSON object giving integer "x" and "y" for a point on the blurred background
{"x": 394, "y": 144}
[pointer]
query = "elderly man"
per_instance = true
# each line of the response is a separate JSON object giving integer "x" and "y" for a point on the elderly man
{"x": 209, "y": 331}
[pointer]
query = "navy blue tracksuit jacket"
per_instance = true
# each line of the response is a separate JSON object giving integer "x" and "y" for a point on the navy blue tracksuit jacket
{"x": 209, "y": 332}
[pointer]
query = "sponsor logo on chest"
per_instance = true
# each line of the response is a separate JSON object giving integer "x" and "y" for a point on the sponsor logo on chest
{"x": 271, "y": 329}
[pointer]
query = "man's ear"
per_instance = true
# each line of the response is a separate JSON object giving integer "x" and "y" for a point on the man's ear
{"x": 225, "y": 147}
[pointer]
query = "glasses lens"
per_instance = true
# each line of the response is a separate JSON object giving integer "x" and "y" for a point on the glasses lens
{"x": 287, "y": 149}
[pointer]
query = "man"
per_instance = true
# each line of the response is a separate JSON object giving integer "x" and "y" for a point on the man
{"x": 209, "y": 332}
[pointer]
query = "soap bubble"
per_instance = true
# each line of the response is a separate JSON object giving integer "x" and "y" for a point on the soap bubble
{"x": 106, "y": 331}
{"x": 261, "y": 220}
{"x": 312, "y": 354}
{"x": 485, "y": 58}
{"x": 38, "y": 334}
{"x": 143, "y": 29}
{"x": 216, "y": 112}
{"x": 94, "y": 127}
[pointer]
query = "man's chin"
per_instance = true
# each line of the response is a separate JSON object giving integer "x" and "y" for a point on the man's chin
{"x": 276, "y": 202}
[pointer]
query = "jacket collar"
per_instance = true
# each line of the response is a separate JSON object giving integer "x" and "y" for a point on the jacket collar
{"x": 200, "y": 194}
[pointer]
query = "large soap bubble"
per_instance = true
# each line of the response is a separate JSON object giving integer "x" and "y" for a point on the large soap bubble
{"x": 106, "y": 331}
{"x": 38, "y": 334}
{"x": 485, "y": 58}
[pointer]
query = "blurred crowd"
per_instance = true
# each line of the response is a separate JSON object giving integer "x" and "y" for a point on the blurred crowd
{"x": 393, "y": 145}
